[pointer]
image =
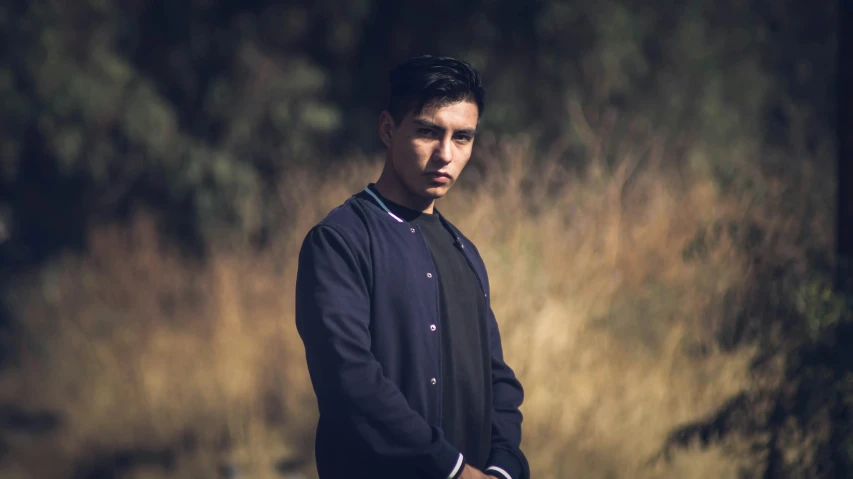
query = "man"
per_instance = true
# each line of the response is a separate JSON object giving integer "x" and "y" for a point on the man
{"x": 393, "y": 306}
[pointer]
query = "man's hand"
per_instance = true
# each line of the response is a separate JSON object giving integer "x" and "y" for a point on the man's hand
{"x": 470, "y": 472}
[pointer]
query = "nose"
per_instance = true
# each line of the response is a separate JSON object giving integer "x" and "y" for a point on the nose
{"x": 444, "y": 151}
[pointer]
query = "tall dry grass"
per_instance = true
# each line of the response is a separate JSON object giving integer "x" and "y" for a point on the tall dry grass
{"x": 139, "y": 348}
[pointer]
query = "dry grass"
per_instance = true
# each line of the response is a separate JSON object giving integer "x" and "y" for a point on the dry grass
{"x": 137, "y": 347}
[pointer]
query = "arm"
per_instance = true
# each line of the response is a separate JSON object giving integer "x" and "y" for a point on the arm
{"x": 332, "y": 318}
{"x": 506, "y": 461}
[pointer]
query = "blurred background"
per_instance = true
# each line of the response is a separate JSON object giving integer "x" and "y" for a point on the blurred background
{"x": 653, "y": 193}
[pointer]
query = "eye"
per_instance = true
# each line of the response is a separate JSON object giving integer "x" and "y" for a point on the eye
{"x": 463, "y": 138}
{"x": 426, "y": 132}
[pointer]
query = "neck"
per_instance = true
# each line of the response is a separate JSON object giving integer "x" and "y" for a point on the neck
{"x": 390, "y": 186}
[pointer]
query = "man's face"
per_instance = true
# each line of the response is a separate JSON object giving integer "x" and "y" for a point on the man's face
{"x": 430, "y": 150}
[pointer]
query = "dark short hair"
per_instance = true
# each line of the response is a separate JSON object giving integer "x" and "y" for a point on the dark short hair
{"x": 431, "y": 81}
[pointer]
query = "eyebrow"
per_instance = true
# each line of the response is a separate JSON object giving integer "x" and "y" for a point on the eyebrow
{"x": 429, "y": 124}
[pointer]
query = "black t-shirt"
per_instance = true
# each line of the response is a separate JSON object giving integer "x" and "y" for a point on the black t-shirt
{"x": 465, "y": 365}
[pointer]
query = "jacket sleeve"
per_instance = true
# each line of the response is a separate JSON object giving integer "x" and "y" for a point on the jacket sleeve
{"x": 332, "y": 318}
{"x": 505, "y": 458}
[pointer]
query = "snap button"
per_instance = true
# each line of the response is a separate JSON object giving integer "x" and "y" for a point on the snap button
{"x": 413, "y": 230}
{"x": 433, "y": 381}
{"x": 432, "y": 327}
{"x": 429, "y": 275}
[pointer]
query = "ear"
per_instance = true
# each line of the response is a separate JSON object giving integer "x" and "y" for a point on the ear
{"x": 386, "y": 128}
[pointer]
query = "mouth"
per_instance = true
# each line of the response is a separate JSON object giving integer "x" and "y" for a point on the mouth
{"x": 438, "y": 178}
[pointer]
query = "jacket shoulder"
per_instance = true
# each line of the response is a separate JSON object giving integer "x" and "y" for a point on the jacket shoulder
{"x": 348, "y": 221}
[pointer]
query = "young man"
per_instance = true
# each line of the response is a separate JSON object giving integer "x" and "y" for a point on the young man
{"x": 393, "y": 306}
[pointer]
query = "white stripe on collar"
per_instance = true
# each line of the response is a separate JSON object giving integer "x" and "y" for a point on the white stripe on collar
{"x": 383, "y": 205}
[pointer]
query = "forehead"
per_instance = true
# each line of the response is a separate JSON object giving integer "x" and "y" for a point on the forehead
{"x": 459, "y": 115}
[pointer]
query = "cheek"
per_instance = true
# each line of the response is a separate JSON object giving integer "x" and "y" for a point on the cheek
{"x": 417, "y": 153}
{"x": 409, "y": 155}
{"x": 463, "y": 155}
{"x": 422, "y": 150}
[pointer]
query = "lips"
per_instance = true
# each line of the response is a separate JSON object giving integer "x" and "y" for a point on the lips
{"x": 438, "y": 175}
{"x": 441, "y": 178}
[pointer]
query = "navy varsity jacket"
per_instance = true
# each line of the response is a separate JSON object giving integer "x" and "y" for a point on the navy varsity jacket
{"x": 367, "y": 313}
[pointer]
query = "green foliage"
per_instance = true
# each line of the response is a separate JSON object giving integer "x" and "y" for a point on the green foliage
{"x": 217, "y": 109}
{"x": 822, "y": 308}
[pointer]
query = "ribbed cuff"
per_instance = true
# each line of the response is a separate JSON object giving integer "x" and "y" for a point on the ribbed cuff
{"x": 447, "y": 464}
{"x": 505, "y": 464}
{"x": 498, "y": 470}
{"x": 457, "y": 470}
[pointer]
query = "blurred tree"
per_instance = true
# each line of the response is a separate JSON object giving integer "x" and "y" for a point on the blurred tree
{"x": 200, "y": 107}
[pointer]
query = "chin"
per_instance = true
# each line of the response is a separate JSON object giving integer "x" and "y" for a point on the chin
{"x": 435, "y": 192}
{"x": 426, "y": 190}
